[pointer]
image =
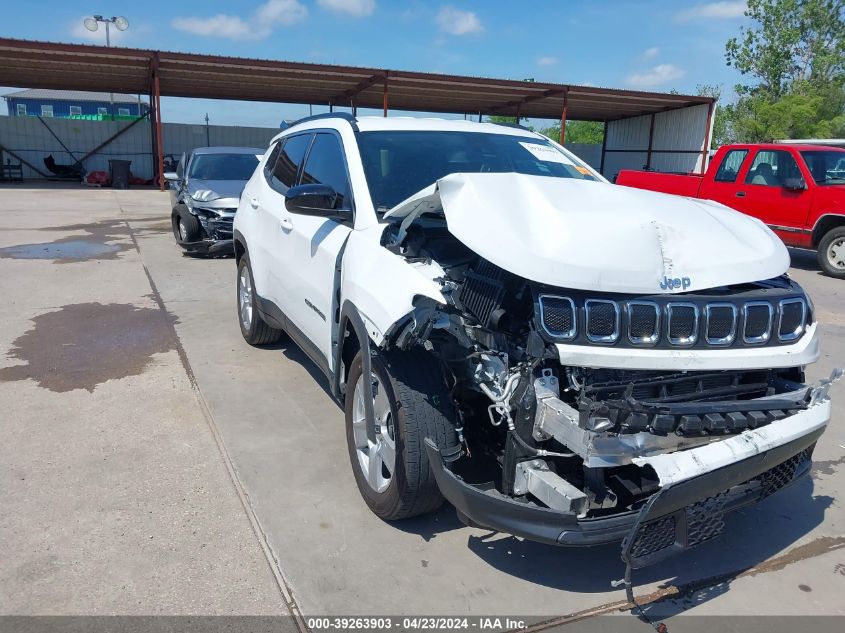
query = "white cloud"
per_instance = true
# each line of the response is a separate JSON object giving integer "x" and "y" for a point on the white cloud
{"x": 649, "y": 54}
{"x": 657, "y": 76}
{"x": 725, "y": 9}
{"x": 230, "y": 27}
{"x": 456, "y": 22}
{"x": 259, "y": 25}
{"x": 356, "y": 8}
{"x": 548, "y": 60}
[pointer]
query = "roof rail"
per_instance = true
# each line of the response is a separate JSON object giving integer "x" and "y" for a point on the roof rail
{"x": 353, "y": 121}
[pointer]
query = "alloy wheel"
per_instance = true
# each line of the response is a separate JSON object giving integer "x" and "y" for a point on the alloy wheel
{"x": 245, "y": 298}
{"x": 377, "y": 459}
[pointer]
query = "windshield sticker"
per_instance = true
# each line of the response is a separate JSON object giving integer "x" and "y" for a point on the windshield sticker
{"x": 547, "y": 153}
{"x": 583, "y": 170}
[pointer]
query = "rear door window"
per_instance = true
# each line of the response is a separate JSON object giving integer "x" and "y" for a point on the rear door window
{"x": 270, "y": 165}
{"x": 288, "y": 163}
{"x": 731, "y": 163}
{"x": 326, "y": 166}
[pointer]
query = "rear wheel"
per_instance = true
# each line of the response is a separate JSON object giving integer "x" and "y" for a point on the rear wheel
{"x": 410, "y": 403}
{"x": 831, "y": 253}
{"x": 253, "y": 328}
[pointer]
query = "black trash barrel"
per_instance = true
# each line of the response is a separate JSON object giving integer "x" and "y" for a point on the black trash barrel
{"x": 119, "y": 173}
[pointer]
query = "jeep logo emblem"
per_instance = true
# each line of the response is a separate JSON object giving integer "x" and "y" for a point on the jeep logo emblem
{"x": 677, "y": 282}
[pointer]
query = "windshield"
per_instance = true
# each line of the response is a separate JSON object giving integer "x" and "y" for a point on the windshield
{"x": 223, "y": 166}
{"x": 399, "y": 164}
{"x": 826, "y": 166}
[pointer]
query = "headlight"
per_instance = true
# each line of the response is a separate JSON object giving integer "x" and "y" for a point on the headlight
{"x": 205, "y": 195}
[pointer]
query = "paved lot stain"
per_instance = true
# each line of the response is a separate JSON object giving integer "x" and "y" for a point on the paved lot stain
{"x": 83, "y": 345}
{"x": 826, "y": 467}
{"x": 97, "y": 244}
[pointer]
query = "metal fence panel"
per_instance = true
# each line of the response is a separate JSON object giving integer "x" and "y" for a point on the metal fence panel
{"x": 31, "y": 140}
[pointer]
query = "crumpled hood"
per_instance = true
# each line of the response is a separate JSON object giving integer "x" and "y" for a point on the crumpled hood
{"x": 596, "y": 236}
{"x": 223, "y": 188}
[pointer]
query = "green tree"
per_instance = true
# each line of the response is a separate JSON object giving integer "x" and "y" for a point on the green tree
{"x": 497, "y": 118}
{"x": 794, "y": 45}
{"x": 721, "y": 115}
{"x": 794, "y": 59}
{"x": 578, "y": 132}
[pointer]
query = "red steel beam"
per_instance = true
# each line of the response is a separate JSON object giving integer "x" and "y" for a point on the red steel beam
{"x": 384, "y": 96}
{"x": 563, "y": 116}
{"x": 159, "y": 141}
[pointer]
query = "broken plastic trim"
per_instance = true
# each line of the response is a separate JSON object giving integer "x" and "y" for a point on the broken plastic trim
{"x": 672, "y": 468}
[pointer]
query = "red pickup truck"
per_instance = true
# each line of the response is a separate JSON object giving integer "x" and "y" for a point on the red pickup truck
{"x": 797, "y": 190}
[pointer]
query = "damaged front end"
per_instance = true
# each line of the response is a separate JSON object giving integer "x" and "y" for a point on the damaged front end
{"x": 591, "y": 417}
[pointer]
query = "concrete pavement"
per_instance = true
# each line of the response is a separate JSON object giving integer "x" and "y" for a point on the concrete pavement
{"x": 114, "y": 495}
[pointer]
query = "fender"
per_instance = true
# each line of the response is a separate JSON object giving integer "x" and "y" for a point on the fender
{"x": 238, "y": 238}
{"x": 349, "y": 315}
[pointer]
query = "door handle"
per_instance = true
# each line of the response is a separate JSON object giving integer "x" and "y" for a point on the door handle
{"x": 740, "y": 194}
{"x": 285, "y": 224}
{"x": 253, "y": 202}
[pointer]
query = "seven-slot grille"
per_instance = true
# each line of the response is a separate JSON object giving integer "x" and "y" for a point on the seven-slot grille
{"x": 647, "y": 323}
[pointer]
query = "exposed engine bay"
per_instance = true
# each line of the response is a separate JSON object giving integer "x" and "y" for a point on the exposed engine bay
{"x": 567, "y": 436}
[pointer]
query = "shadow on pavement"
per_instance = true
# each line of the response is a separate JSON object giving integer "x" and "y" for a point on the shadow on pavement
{"x": 804, "y": 260}
{"x": 751, "y": 536}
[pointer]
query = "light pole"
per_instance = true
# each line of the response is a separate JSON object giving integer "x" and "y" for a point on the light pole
{"x": 92, "y": 23}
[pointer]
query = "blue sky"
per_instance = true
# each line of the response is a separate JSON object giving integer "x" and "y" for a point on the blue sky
{"x": 640, "y": 44}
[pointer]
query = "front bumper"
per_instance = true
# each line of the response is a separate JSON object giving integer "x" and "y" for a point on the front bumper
{"x": 763, "y": 469}
{"x": 210, "y": 247}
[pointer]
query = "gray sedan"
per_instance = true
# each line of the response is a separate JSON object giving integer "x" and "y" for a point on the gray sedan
{"x": 204, "y": 192}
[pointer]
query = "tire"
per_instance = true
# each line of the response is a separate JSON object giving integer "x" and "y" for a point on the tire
{"x": 411, "y": 386}
{"x": 831, "y": 253}
{"x": 186, "y": 227}
{"x": 253, "y": 328}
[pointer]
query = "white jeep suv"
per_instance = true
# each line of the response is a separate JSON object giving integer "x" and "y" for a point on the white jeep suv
{"x": 561, "y": 358}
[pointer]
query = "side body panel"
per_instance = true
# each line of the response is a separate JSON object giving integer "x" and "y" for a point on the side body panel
{"x": 680, "y": 185}
{"x": 248, "y": 223}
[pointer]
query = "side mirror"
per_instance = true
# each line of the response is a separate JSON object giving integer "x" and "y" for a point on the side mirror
{"x": 317, "y": 200}
{"x": 794, "y": 184}
{"x": 171, "y": 176}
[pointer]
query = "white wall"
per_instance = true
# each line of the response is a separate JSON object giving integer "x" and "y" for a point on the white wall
{"x": 30, "y": 139}
{"x": 681, "y": 130}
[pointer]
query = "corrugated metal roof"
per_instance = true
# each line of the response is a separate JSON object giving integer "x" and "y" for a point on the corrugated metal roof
{"x": 72, "y": 95}
{"x": 87, "y": 67}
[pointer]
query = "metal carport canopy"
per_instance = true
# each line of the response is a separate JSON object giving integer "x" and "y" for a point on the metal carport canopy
{"x": 34, "y": 64}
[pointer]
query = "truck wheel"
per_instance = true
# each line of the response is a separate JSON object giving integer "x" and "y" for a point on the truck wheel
{"x": 253, "y": 328}
{"x": 410, "y": 402}
{"x": 831, "y": 253}
{"x": 186, "y": 227}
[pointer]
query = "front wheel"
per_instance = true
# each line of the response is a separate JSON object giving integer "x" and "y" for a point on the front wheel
{"x": 410, "y": 403}
{"x": 186, "y": 227}
{"x": 831, "y": 253}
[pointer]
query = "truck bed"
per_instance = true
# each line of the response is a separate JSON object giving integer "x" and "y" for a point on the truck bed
{"x": 678, "y": 184}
